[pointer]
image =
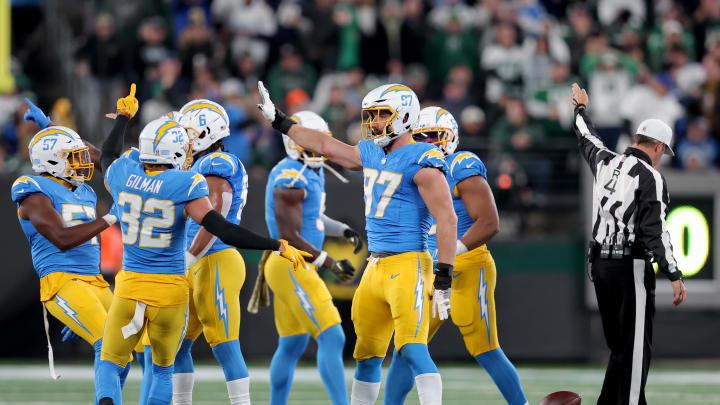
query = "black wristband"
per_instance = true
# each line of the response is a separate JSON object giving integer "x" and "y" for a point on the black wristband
{"x": 282, "y": 123}
{"x": 443, "y": 280}
{"x": 236, "y": 235}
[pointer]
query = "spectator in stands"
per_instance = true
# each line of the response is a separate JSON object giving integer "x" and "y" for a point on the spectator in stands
{"x": 290, "y": 73}
{"x": 321, "y": 40}
{"x": 610, "y": 75}
{"x": 148, "y": 51}
{"x": 540, "y": 55}
{"x": 581, "y": 26}
{"x": 196, "y": 40}
{"x": 698, "y": 151}
{"x": 689, "y": 76}
{"x": 472, "y": 122}
{"x": 551, "y": 105}
{"x": 660, "y": 41}
{"x": 374, "y": 44}
{"x": 516, "y": 135}
{"x": 651, "y": 100}
{"x": 233, "y": 99}
{"x": 502, "y": 62}
{"x": 413, "y": 33}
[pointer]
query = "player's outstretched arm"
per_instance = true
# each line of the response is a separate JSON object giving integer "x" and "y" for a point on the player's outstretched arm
{"x": 339, "y": 152}
{"x": 200, "y": 210}
{"x": 480, "y": 204}
{"x": 39, "y": 210}
{"x": 288, "y": 218}
{"x": 113, "y": 146}
{"x": 220, "y": 195}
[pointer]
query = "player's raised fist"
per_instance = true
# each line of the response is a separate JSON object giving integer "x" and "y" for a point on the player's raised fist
{"x": 128, "y": 106}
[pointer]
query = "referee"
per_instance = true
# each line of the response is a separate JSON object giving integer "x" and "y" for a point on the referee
{"x": 629, "y": 206}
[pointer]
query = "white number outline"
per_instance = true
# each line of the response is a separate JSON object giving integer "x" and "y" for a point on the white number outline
{"x": 68, "y": 212}
{"x": 149, "y": 224}
{"x": 372, "y": 177}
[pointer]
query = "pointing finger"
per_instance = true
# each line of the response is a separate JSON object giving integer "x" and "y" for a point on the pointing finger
{"x": 132, "y": 90}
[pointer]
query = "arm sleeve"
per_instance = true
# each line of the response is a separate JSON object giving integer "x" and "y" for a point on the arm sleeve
{"x": 236, "y": 235}
{"x": 113, "y": 145}
{"x": 650, "y": 223}
{"x": 333, "y": 227}
{"x": 591, "y": 147}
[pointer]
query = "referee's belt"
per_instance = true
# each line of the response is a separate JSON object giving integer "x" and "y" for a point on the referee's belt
{"x": 615, "y": 251}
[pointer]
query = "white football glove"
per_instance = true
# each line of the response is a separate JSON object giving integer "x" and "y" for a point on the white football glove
{"x": 441, "y": 304}
{"x": 267, "y": 107}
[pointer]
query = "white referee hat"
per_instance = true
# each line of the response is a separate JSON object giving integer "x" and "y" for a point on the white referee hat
{"x": 656, "y": 129}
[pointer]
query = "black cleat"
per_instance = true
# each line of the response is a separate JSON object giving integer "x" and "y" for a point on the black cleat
{"x": 106, "y": 401}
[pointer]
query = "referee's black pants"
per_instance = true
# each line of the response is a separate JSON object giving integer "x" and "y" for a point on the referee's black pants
{"x": 625, "y": 290}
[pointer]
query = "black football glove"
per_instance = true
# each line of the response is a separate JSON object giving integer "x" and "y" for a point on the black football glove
{"x": 353, "y": 238}
{"x": 342, "y": 269}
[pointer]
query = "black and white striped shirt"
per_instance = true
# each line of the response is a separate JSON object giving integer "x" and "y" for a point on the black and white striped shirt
{"x": 630, "y": 197}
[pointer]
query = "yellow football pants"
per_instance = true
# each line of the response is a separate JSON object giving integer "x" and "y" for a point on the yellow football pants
{"x": 165, "y": 328}
{"x": 393, "y": 295}
{"x": 472, "y": 301}
{"x": 215, "y": 284}
{"x": 82, "y": 306}
{"x": 301, "y": 300}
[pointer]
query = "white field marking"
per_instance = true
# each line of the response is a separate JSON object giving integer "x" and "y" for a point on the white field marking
{"x": 450, "y": 374}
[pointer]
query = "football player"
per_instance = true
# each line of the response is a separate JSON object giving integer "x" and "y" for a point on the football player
{"x": 151, "y": 291}
{"x": 216, "y": 271}
{"x": 473, "y": 284}
{"x": 56, "y": 210}
{"x": 404, "y": 184}
{"x": 294, "y": 210}
{"x": 36, "y": 115}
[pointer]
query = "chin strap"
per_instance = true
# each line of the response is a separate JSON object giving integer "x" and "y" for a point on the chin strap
{"x": 299, "y": 173}
{"x": 335, "y": 172}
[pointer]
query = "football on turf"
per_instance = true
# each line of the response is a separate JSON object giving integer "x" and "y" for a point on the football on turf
{"x": 561, "y": 398}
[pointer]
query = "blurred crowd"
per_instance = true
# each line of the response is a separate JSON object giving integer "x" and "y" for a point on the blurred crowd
{"x": 502, "y": 68}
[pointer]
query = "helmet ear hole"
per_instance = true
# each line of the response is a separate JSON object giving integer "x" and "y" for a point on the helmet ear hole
{"x": 52, "y": 162}
{"x": 178, "y": 154}
{"x": 405, "y": 118}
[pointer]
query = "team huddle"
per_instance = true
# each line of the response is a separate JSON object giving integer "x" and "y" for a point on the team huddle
{"x": 179, "y": 198}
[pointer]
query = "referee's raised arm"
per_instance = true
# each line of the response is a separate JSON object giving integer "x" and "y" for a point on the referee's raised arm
{"x": 591, "y": 146}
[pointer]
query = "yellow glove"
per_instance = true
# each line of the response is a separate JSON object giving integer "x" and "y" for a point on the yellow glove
{"x": 128, "y": 106}
{"x": 295, "y": 255}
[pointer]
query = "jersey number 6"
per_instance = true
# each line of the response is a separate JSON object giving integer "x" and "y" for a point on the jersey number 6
{"x": 146, "y": 227}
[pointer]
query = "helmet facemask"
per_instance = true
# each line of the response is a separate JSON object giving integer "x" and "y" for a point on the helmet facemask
{"x": 79, "y": 167}
{"x": 439, "y": 136}
{"x": 375, "y": 117}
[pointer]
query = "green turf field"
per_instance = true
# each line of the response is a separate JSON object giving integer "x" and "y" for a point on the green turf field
{"x": 676, "y": 384}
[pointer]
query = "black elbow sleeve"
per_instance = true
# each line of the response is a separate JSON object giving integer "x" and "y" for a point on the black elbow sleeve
{"x": 236, "y": 235}
{"x": 113, "y": 145}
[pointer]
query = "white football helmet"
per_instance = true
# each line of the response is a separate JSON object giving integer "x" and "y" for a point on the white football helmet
{"x": 438, "y": 127}
{"x": 164, "y": 141}
{"x": 307, "y": 119}
{"x": 60, "y": 152}
{"x": 389, "y": 111}
{"x": 206, "y": 122}
{"x": 174, "y": 115}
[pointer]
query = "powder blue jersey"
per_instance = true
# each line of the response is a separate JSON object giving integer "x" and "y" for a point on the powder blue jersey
{"x": 462, "y": 165}
{"x": 75, "y": 207}
{"x": 228, "y": 167}
{"x": 288, "y": 173}
{"x": 151, "y": 214}
{"x": 397, "y": 219}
